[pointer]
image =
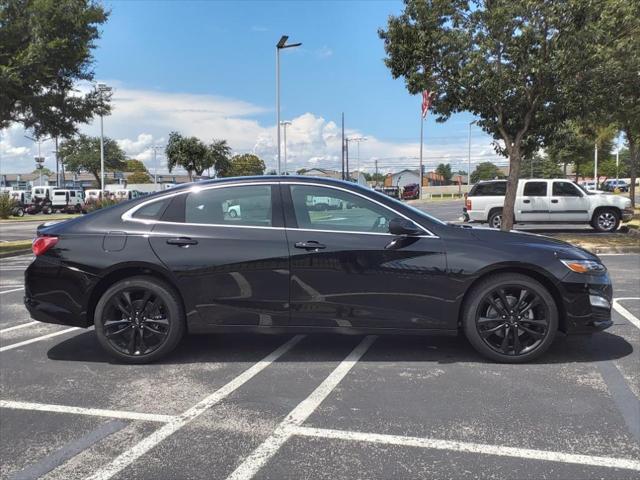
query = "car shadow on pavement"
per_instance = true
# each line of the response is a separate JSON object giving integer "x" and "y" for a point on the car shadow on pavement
{"x": 251, "y": 347}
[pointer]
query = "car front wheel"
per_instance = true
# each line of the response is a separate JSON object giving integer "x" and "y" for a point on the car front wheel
{"x": 606, "y": 220}
{"x": 139, "y": 320}
{"x": 510, "y": 318}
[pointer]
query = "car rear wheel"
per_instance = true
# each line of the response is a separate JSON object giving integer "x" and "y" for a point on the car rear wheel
{"x": 495, "y": 219}
{"x": 510, "y": 318}
{"x": 606, "y": 220}
{"x": 139, "y": 320}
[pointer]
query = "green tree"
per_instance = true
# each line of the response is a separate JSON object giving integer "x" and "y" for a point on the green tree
{"x": 445, "y": 170}
{"x": 189, "y": 153}
{"x": 45, "y": 49}
{"x": 82, "y": 154}
{"x": 508, "y": 63}
{"x": 139, "y": 177}
{"x": 133, "y": 165}
{"x": 43, "y": 171}
{"x": 485, "y": 171}
{"x": 245, "y": 165}
{"x": 220, "y": 152}
{"x": 540, "y": 166}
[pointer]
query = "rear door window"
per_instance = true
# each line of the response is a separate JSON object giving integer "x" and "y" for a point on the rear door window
{"x": 535, "y": 189}
{"x": 490, "y": 189}
{"x": 565, "y": 189}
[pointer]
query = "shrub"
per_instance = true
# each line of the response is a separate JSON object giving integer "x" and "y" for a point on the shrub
{"x": 93, "y": 205}
{"x": 6, "y": 205}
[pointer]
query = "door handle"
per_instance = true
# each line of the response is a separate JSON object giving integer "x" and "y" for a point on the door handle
{"x": 182, "y": 241}
{"x": 554, "y": 201}
{"x": 526, "y": 201}
{"x": 310, "y": 245}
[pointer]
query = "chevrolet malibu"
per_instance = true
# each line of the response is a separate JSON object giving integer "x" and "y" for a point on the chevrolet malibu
{"x": 148, "y": 271}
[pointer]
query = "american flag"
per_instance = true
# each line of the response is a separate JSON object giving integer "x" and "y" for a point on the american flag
{"x": 426, "y": 102}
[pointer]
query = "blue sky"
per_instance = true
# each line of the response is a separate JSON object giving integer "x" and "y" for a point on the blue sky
{"x": 208, "y": 69}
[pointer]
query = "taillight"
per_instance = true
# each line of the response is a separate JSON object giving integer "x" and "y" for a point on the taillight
{"x": 42, "y": 244}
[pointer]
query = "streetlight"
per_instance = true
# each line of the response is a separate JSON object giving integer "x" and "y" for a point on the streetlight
{"x": 39, "y": 159}
{"x": 281, "y": 45}
{"x": 155, "y": 149}
{"x": 102, "y": 89}
{"x": 284, "y": 124}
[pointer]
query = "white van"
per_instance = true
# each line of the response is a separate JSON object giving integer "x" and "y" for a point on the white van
{"x": 42, "y": 193}
{"x": 68, "y": 200}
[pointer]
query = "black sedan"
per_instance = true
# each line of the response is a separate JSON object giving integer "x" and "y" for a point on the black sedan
{"x": 255, "y": 254}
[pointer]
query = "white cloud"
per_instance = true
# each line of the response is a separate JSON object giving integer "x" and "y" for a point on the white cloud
{"x": 324, "y": 52}
{"x": 142, "y": 119}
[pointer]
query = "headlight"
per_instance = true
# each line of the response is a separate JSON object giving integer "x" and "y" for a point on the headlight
{"x": 584, "y": 266}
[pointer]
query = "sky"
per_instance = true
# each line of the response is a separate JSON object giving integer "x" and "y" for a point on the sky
{"x": 208, "y": 69}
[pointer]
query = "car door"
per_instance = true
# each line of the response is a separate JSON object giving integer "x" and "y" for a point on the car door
{"x": 533, "y": 204}
{"x": 568, "y": 203}
{"x": 230, "y": 270}
{"x": 348, "y": 271}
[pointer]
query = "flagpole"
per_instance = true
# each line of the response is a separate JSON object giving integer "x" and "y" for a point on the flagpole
{"x": 421, "y": 136}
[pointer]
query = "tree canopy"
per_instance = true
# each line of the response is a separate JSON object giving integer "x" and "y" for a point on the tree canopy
{"x": 508, "y": 63}
{"x": 45, "y": 50}
{"x": 82, "y": 154}
{"x": 139, "y": 177}
{"x": 485, "y": 171}
{"x": 245, "y": 165}
{"x": 444, "y": 169}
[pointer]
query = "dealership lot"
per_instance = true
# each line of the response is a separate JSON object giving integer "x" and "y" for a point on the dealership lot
{"x": 318, "y": 406}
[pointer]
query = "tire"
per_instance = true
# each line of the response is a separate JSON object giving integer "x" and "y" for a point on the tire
{"x": 154, "y": 328}
{"x": 495, "y": 219}
{"x": 46, "y": 210}
{"x": 493, "y": 333}
{"x": 606, "y": 220}
{"x": 19, "y": 212}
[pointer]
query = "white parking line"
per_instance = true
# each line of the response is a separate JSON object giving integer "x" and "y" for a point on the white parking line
{"x": 17, "y": 327}
{"x": 450, "y": 445}
{"x": 624, "y": 312}
{"x": 142, "y": 447}
{"x": 37, "y": 339}
{"x": 96, "y": 412}
{"x": 298, "y": 415}
{"x": 13, "y": 290}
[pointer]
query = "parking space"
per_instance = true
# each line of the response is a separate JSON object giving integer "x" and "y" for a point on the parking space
{"x": 318, "y": 406}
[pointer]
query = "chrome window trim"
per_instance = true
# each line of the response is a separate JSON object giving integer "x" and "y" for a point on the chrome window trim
{"x": 128, "y": 215}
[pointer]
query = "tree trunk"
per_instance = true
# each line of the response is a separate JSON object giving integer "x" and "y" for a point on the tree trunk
{"x": 633, "y": 167}
{"x": 515, "y": 160}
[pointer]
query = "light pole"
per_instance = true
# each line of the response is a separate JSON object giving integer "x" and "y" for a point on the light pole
{"x": 281, "y": 45}
{"x": 155, "y": 149}
{"x": 39, "y": 159}
{"x": 469, "y": 157}
{"x": 102, "y": 89}
{"x": 618, "y": 164}
{"x": 357, "y": 140}
{"x": 284, "y": 124}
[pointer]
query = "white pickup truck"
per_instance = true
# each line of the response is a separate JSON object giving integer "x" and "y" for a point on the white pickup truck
{"x": 547, "y": 201}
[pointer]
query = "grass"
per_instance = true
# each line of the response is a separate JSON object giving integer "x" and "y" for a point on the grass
{"x": 15, "y": 246}
{"x": 40, "y": 218}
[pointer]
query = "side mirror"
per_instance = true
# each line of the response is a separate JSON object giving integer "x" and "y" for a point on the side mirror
{"x": 402, "y": 226}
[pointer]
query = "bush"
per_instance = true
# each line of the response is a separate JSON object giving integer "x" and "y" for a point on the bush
{"x": 93, "y": 205}
{"x": 6, "y": 205}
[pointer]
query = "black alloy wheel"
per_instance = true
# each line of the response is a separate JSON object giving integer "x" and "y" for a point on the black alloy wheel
{"x": 139, "y": 320}
{"x": 511, "y": 318}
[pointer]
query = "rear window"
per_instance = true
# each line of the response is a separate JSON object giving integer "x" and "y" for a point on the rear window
{"x": 490, "y": 189}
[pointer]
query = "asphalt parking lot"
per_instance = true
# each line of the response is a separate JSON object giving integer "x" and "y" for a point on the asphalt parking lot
{"x": 318, "y": 406}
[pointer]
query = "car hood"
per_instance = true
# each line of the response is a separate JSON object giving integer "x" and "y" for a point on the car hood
{"x": 531, "y": 240}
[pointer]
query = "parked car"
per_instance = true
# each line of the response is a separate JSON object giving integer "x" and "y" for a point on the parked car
{"x": 612, "y": 185}
{"x": 93, "y": 194}
{"x": 411, "y": 191}
{"x": 393, "y": 192}
{"x": 67, "y": 201}
{"x": 547, "y": 201}
{"x": 146, "y": 272}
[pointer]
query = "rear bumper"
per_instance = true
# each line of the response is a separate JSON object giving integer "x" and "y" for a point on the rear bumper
{"x": 56, "y": 293}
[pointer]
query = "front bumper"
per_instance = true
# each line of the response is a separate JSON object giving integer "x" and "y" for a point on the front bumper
{"x": 627, "y": 214}
{"x": 587, "y": 301}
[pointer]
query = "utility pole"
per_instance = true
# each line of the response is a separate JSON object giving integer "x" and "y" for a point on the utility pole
{"x": 155, "y": 149}
{"x": 346, "y": 153}
{"x": 618, "y": 164}
{"x": 376, "y": 173}
{"x": 342, "y": 143}
{"x": 469, "y": 156}
{"x": 421, "y": 140}
{"x": 595, "y": 165}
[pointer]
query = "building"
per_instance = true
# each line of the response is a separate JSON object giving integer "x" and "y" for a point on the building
{"x": 322, "y": 172}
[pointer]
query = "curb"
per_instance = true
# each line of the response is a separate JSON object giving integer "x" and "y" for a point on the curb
{"x": 15, "y": 253}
